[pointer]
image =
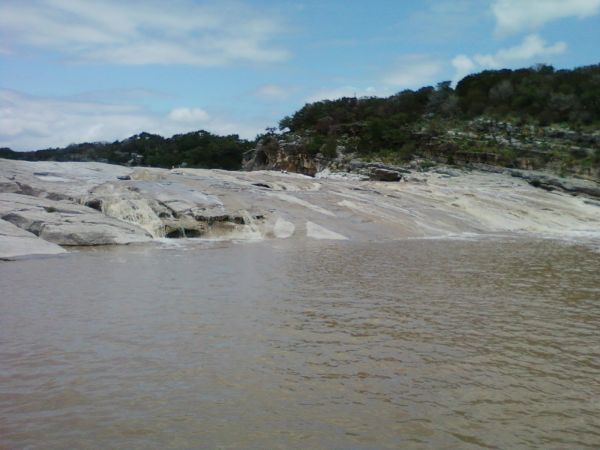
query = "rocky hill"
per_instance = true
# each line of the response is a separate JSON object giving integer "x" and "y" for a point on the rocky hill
{"x": 529, "y": 119}
{"x": 483, "y": 144}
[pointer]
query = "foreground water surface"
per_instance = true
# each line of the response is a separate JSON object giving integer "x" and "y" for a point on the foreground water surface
{"x": 484, "y": 343}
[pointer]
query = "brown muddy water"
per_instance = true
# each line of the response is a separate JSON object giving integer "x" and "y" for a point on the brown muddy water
{"x": 484, "y": 343}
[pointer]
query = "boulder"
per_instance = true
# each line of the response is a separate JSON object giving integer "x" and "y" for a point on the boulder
{"x": 378, "y": 174}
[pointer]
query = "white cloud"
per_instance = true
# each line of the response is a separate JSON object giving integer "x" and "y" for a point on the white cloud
{"x": 533, "y": 46}
{"x": 343, "y": 91}
{"x": 513, "y": 16}
{"x": 148, "y": 32}
{"x": 31, "y": 122}
{"x": 189, "y": 115}
{"x": 272, "y": 92}
{"x": 533, "y": 49}
{"x": 413, "y": 71}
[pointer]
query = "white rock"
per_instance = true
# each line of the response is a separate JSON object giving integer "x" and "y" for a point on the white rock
{"x": 318, "y": 232}
{"x": 15, "y": 242}
{"x": 66, "y": 223}
{"x": 283, "y": 229}
{"x": 46, "y": 198}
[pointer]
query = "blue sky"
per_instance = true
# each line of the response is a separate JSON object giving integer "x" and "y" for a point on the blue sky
{"x": 82, "y": 70}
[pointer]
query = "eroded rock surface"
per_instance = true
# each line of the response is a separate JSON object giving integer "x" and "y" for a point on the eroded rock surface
{"x": 66, "y": 223}
{"x": 97, "y": 204}
{"x": 15, "y": 242}
{"x": 274, "y": 154}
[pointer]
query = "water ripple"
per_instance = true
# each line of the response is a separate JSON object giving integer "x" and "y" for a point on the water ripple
{"x": 413, "y": 344}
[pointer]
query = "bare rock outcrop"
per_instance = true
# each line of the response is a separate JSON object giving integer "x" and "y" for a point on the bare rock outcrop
{"x": 16, "y": 242}
{"x": 551, "y": 182}
{"x": 274, "y": 154}
{"x": 99, "y": 204}
{"x": 66, "y": 223}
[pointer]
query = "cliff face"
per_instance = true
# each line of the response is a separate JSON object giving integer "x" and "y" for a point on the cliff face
{"x": 558, "y": 150}
{"x": 561, "y": 151}
{"x": 290, "y": 156}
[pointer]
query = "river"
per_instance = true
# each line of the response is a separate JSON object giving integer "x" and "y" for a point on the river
{"x": 468, "y": 343}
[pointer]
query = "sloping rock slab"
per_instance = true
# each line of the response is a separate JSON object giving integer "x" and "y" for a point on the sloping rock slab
{"x": 550, "y": 183}
{"x": 15, "y": 242}
{"x": 66, "y": 223}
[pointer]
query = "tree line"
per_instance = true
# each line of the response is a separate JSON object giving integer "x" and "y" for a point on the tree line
{"x": 538, "y": 96}
{"x": 195, "y": 149}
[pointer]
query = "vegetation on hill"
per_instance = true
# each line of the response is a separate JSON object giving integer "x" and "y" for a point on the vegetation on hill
{"x": 539, "y": 96}
{"x": 539, "y": 113}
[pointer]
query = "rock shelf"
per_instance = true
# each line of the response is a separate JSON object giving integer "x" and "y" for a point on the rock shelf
{"x": 46, "y": 207}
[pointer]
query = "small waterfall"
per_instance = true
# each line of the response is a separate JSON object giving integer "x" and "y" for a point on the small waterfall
{"x": 134, "y": 211}
{"x": 251, "y": 229}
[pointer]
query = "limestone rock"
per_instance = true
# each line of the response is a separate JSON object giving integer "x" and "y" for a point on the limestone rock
{"x": 378, "y": 174}
{"x": 551, "y": 182}
{"x": 273, "y": 154}
{"x": 253, "y": 205}
{"x": 66, "y": 223}
{"x": 15, "y": 242}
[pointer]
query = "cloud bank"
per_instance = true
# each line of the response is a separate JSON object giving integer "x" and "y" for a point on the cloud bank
{"x": 514, "y": 16}
{"x": 142, "y": 32}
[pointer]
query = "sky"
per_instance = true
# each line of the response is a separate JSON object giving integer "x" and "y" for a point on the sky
{"x": 85, "y": 71}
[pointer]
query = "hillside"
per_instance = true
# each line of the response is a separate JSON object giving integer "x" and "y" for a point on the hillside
{"x": 535, "y": 118}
